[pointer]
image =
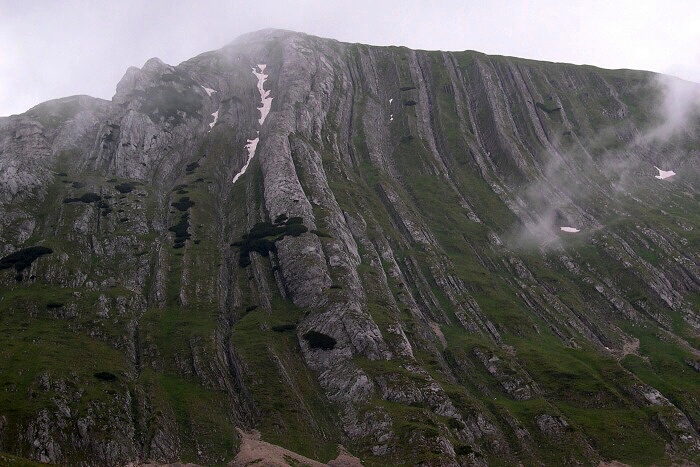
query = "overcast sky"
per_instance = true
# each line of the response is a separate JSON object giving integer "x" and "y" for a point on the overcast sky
{"x": 51, "y": 49}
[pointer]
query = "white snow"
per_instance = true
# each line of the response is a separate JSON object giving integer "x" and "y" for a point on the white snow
{"x": 570, "y": 229}
{"x": 209, "y": 91}
{"x": 664, "y": 174}
{"x": 265, "y": 98}
{"x": 390, "y": 101}
{"x": 266, "y": 102}
{"x": 391, "y": 117}
{"x": 251, "y": 147}
{"x": 216, "y": 118}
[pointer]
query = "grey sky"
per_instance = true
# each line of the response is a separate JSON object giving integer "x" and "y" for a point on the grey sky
{"x": 51, "y": 49}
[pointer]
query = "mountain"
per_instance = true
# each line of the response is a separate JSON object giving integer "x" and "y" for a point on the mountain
{"x": 431, "y": 258}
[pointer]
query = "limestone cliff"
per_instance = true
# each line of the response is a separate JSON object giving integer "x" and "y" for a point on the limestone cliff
{"x": 388, "y": 272}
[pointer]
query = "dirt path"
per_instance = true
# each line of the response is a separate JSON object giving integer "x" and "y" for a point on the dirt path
{"x": 257, "y": 453}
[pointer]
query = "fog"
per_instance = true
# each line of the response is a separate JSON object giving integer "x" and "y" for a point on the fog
{"x": 54, "y": 49}
{"x": 679, "y": 107}
{"x": 557, "y": 200}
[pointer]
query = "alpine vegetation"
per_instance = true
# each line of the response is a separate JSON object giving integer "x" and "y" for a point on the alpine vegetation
{"x": 321, "y": 251}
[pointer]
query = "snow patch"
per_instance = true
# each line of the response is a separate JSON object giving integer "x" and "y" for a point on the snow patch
{"x": 209, "y": 91}
{"x": 391, "y": 117}
{"x": 266, "y": 102}
{"x": 216, "y": 118}
{"x": 390, "y": 101}
{"x": 570, "y": 229}
{"x": 251, "y": 147}
{"x": 664, "y": 174}
{"x": 265, "y": 98}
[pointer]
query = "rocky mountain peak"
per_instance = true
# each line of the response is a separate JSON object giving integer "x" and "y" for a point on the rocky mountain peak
{"x": 447, "y": 257}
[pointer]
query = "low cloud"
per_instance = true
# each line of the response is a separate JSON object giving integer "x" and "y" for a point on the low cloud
{"x": 679, "y": 109}
{"x": 556, "y": 199}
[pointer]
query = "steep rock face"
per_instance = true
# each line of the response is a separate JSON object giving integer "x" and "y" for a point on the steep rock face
{"x": 389, "y": 272}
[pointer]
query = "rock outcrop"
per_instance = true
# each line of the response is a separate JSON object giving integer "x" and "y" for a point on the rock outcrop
{"x": 388, "y": 272}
